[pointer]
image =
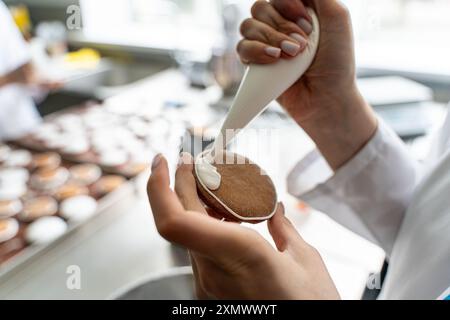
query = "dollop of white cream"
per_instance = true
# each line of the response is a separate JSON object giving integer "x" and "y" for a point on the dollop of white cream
{"x": 207, "y": 173}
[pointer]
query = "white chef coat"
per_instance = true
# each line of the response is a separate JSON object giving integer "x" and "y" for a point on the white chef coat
{"x": 18, "y": 114}
{"x": 402, "y": 205}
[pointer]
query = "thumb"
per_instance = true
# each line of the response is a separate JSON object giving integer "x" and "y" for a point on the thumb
{"x": 163, "y": 201}
{"x": 185, "y": 185}
{"x": 284, "y": 234}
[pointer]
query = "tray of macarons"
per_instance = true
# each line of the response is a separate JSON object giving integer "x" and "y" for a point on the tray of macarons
{"x": 119, "y": 143}
{"x": 75, "y": 165}
{"x": 43, "y": 197}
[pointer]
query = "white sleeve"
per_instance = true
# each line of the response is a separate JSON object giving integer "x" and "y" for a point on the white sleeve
{"x": 14, "y": 51}
{"x": 369, "y": 194}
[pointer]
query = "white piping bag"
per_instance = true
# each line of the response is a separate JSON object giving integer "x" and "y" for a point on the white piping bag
{"x": 264, "y": 83}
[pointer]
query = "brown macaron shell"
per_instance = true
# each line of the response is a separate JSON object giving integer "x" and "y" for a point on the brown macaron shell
{"x": 245, "y": 193}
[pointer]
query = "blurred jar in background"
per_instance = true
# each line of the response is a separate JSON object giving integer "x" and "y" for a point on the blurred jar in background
{"x": 227, "y": 68}
{"x": 53, "y": 35}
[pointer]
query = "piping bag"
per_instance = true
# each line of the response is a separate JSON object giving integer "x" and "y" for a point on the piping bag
{"x": 261, "y": 85}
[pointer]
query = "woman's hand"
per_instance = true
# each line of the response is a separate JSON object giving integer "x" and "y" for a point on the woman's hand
{"x": 325, "y": 102}
{"x": 231, "y": 261}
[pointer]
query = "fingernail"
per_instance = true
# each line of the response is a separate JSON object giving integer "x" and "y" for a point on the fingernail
{"x": 298, "y": 37}
{"x": 273, "y": 52}
{"x": 305, "y": 25}
{"x": 281, "y": 204}
{"x": 184, "y": 159}
{"x": 180, "y": 161}
{"x": 156, "y": 161}
{"x": 290, "y": 48}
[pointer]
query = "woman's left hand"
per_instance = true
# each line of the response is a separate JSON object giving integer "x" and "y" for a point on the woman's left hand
{"x": 231, "y": 261}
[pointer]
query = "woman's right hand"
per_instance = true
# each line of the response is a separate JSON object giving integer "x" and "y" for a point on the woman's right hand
{"x": 325, "y": 102}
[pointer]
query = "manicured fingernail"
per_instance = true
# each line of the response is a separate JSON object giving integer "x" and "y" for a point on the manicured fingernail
{"x": 185, "y": 158}
{"x": 156, "y": 161}
{"x": 298, "y": 37}
{"x": 290, "y": 47}
{"x": 305, "y": 25}
{"x": 180, "y": 161}
{"x": 281, "y": 204}
{"x": 273, "y": 52}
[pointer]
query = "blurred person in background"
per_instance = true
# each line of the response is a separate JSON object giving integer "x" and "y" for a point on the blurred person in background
{"x": 377, "y": 189}
{"x": 18, "y": 81}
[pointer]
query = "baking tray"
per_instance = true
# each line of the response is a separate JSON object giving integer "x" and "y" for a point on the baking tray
{"x": 33, "y": 251}
{"x": 30, "y": 252}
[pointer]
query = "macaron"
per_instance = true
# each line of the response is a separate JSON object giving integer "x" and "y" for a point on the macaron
{"x": 143, "y": 155}
{"x": 70, "y": 189}
{"x": 45, "y": 230}
{"x": 11, "y": 247}
{"x": 139, "y": 127}
{"x": 85, "y": 174}
{"x": 13, "y": 183}
{"x": 8, "y": 229}
{"x": 76, "y": 147}
{"x": 113, "y": 158}
{"x": 98, "y": 118}
{"x": 18, "y": 158}
{"x": 134, "y": 168}
{"x": 10, "y": 208}
{"x": 69, "y": 121}
{"x": 55, "y": 141}
{"x": 159, "y": 127}
{"x": 12, "y": 191}
{"x": 244, "y": 192}
{"x": 47, "y": 179}
{"x": 46, "y": 131}
{"x": 13, "y": 175}
{"x": 78, "y": 208}
{"x": 4, "y": 152}
{"x": 48, "y": 160}
{"x": 37, "y": 207}
{"x": 107, "y": 184}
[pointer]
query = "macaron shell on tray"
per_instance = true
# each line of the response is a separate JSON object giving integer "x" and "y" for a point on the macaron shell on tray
{"x": 57, "y": 178}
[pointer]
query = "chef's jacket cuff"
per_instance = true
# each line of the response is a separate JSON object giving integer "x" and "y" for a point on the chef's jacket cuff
{"x": 369, "y": 194}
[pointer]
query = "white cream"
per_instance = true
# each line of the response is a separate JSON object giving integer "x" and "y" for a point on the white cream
{"x": 207, "y": 173}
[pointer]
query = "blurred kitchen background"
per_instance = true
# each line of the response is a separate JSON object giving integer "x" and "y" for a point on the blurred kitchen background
{"x": 178, "y": 57}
